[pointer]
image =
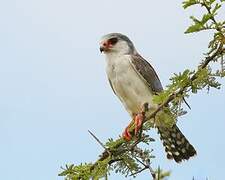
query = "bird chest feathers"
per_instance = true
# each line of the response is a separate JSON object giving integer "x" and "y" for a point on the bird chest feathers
{"x": 126, "y": 83}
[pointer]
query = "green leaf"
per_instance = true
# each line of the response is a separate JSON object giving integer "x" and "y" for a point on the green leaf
{"x": 194, "y": 28}
{"x": 189, "y": 3}
{"x": 198, "y": 24}
{"x": 217, "y": 6}
{"x": 205, "y": 18}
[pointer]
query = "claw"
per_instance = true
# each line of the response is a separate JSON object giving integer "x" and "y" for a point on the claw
{"x": 126, "y": 134}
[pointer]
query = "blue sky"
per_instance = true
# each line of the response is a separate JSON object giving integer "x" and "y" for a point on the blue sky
{"x": 54, "y": 86}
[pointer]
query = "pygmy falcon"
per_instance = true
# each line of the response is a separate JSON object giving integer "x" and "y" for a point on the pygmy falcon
{"x": 134, "y": 81}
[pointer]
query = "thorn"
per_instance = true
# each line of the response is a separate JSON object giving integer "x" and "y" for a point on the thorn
{"x": 186, "y": 103}
{"x": 99, "y": 142}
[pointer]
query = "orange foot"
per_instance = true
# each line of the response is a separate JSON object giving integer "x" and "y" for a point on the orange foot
{"x": 138, "y": 121}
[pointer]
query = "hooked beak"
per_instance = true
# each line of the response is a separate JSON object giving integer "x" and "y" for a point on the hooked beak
{"x": 102, "y": 49}
{"x": 105, "y": 46}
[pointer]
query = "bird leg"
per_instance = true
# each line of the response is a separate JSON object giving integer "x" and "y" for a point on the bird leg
{"x": 137, "y": 121}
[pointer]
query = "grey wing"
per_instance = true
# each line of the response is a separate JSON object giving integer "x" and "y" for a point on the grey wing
{"x": 146, "y": 71}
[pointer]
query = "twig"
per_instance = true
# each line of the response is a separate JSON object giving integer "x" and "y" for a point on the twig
{"x": 139, "y": 171}
{"x": 145, "y": 167}
{"x": 99, "y": 142}
{"x": 186, "y": 103}
{"x": 212, "y": 17}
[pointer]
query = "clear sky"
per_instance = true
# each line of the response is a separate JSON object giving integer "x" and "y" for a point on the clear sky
{"x": 53, "y": 85}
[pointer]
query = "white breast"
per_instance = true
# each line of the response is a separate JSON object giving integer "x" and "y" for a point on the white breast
{"x": 127, "y": 84}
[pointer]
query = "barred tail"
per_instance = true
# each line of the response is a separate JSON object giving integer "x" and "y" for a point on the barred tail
{"x": 176, "y": 145}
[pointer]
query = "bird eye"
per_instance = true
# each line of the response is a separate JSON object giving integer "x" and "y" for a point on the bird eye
{"x": 113, "y": 41}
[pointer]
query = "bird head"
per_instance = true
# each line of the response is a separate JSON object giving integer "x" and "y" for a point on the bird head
{"x": 116, "y": 43}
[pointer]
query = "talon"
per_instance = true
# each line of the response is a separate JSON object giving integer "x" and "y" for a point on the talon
{"x": 138, "y": 121}
{"x": 126, "y": 134}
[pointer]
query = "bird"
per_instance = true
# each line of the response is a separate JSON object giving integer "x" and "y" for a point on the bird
{"x": 134, "y": 81}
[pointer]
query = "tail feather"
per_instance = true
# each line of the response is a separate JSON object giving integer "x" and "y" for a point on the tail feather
{"x": 176, "y": 145}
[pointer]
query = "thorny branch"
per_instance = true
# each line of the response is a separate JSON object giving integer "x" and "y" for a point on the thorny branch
{"x": 131, "y": 148}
